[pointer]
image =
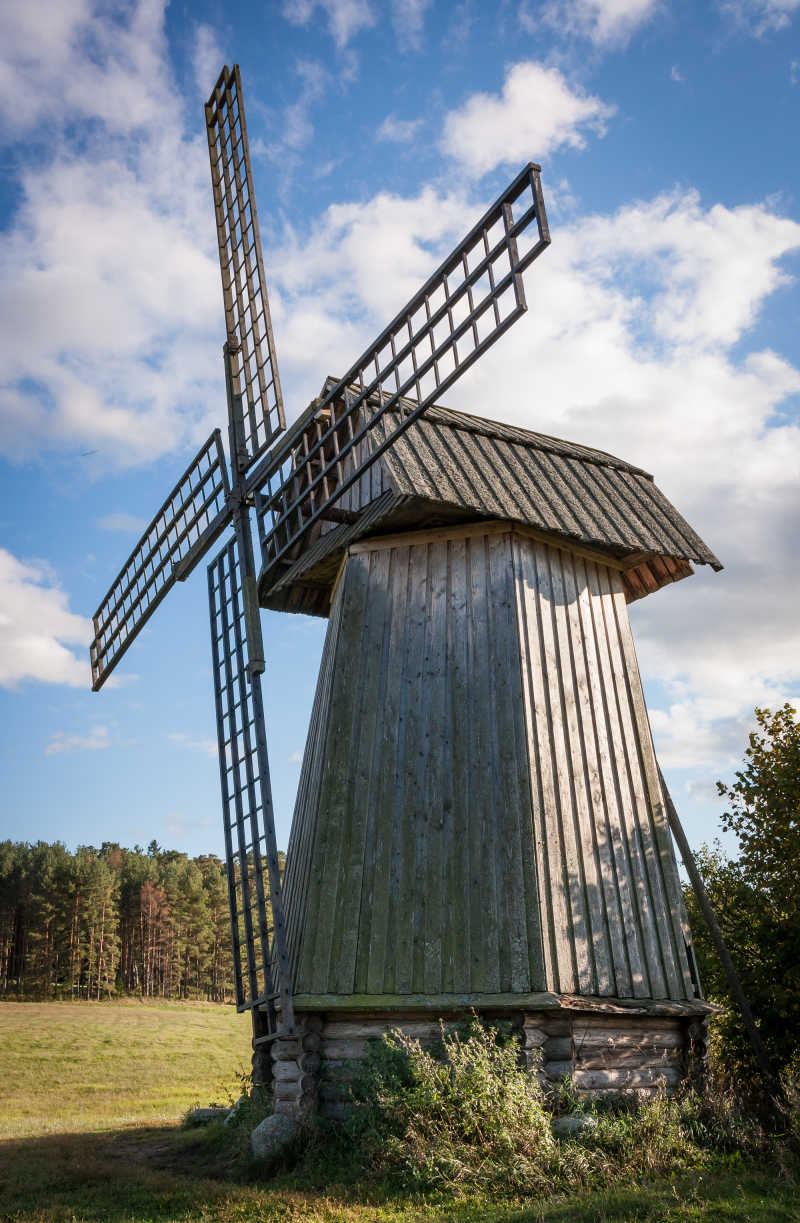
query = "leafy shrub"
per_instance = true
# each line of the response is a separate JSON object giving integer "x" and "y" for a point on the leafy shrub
{"x": 466, "y": 1116}
{"x": 469, "y": 1115}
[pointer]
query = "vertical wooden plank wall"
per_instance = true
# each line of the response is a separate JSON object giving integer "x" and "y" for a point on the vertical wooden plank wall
{"x": 476, "y": 813}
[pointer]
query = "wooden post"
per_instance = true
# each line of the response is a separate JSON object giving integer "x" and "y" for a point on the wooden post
{"x": 716, "y": 935}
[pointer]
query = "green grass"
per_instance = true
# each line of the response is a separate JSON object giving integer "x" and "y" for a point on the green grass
{"x": 71, "y": 1066}
{"x": 81, "y": 1087}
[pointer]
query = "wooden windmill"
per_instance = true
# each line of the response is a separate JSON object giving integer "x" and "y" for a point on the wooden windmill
{"x": 480, "y": 821}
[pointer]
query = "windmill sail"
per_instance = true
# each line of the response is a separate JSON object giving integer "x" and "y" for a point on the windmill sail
{"x": 465, "y": 306}
{"x": 192, "y": 517}
{"x": 261, "y": 964}
{"x": 244, "y": 285}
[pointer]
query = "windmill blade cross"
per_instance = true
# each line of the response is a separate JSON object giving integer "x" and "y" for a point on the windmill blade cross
{"x": 192, "y": 517}
{"x": 244, "y": 286}
{"x": 463, "y": 308}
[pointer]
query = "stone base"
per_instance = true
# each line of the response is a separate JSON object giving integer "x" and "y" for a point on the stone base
{"x": 604, "y": 1051}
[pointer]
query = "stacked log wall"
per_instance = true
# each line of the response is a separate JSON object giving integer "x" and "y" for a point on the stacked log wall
{"x": 607, "y": 1054}
{"x": 597, "y": 1054}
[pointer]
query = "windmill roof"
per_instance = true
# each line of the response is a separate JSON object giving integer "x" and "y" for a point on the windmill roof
{"x": 452, "y": 467}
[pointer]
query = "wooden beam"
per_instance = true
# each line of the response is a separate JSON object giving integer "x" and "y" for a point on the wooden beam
{"x": 507, "y": 1001}
{"x": 489, "y": 526}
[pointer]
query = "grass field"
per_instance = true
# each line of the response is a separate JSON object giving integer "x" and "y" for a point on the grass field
{"x": 71, "y": 1066}
{"x": 82, "y": 1086}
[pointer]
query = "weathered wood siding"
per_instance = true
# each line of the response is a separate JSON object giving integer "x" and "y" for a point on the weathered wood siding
{"x": 479, "y": 808}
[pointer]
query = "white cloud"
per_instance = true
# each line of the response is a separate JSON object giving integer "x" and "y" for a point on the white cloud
{"x": 353, "y": 271}
{"x": 294, "y": 129}
{"x": 111, "y": 249}
{"x": 298, "y": 129}
{"x": 295, "y": 758}
{"x": 760, "y": 17}
{"x": 399, "y": 131}
{"x": 206, "y": 747}
{"x": 636, "y": 342}
{"x": 121, "y": 62}
{"x": 676, "y": 75}
{"x": 603, "y": 22}
{"x": 121, "y": 521}
{"x": 207, "y": 58}
{"x": 97, "y": 739}
{"x": 704, "y": 790}
{"x": 408, "y": 19}
{"x": 345, "y": 17}
{"x": 537, "y": 112}
{"x": 37, "y": 628}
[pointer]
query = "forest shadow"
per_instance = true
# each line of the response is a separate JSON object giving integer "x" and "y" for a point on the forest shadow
{"x": 150, "y": 1172}
{"x": 164, "y": 1174}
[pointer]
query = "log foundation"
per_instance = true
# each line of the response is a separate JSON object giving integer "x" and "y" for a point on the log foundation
{"x": 600, "y": 1052}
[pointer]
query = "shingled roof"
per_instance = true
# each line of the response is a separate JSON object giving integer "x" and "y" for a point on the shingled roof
{"x": 449, "y": 467}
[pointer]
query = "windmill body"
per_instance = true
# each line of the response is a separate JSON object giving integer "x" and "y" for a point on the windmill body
{"x": 480, "y": 820}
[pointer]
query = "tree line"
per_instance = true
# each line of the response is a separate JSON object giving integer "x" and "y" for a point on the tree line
{"x": 102, "y": 922}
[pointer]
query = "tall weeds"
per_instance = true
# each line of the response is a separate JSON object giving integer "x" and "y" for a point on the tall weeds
{"x": 468, "y": 1117}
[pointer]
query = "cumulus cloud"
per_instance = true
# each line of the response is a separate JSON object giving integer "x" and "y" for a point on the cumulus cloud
{"x": 121, "y": 82}
{"x": 636, "y": 342}
{"x": 538, "y": 111}
{"x": 345, "y": 17}
{"x": 603, "y": 22}
{"x": 111, "y": 246}
{"x": 352, "y": 271}
{"x": 37, "y": 629}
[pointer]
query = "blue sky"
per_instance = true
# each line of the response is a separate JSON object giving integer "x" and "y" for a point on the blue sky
{"x": 663, "y": 327}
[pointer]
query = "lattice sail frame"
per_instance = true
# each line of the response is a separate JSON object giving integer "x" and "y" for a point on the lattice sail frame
{"x": 244, "y": 286}
{"x": 462, "y": 309}
{"x": 188, "y": 523}
{"x": 262, "y": 976}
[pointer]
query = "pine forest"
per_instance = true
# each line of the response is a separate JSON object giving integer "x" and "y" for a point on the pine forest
{"x": 106, "y": 922}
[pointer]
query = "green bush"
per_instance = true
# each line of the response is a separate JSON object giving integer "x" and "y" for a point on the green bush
{"x": 467, "y": 1116}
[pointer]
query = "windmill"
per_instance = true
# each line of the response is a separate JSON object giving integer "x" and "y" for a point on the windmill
{"x": 295, "y": 482}
{"x": 481, "y": 822}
